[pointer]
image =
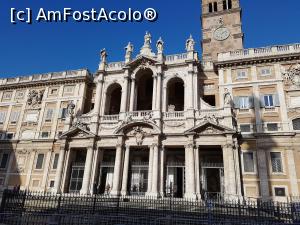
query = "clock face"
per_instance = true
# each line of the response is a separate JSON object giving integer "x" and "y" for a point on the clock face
{"x": 221, "y": 34}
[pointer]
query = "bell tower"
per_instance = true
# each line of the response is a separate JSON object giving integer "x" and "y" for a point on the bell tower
{"x": 221, "y": 27}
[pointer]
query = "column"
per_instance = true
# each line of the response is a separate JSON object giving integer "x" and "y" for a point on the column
{"x": 98, "y": 95}
{"x": 87, "y": 171}
{"x": 154, "y": 92}
{"x": 197, "y": 172}
{"x": 158, "y": 97}
{"x": 132, "y": 94}
{"x": 31, "y": 161}
{"x": 149, "y": 188}
{"x": 125, "y": 171}
{"x": 164, "y": 100}
{"x": 155, "y": 171}
{"x": 46, "y": 170}
{"x": 189, "y": 172}
{"x": 189, "y": 90}
{"x": 162, "y": 171}
{"x": 117, "y": 171}
{"x": 231, "y": 169}
{"x": 124, "y": 95}
{"x": 292, "y": 172}
{"x": 263, "y": 173}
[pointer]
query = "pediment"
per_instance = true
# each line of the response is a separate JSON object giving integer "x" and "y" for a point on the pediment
{"x": 142, "y": 61}
{"x": 77, "y": 132}
{"x": 130, "y": 128}
{"x": 210, "y": 128}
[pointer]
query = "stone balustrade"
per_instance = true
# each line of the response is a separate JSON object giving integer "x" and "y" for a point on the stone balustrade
{"x": 114, "y": 66}
{"x": 176, "y": 58}
{"x": 46, "y": 76}
{"x": 107, "y": 118}
{"x": 174, "y": 115}
{"x": 259, "y": 52}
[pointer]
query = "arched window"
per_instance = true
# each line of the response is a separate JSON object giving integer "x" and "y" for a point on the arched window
{"x": 296, "y": 124}
{"x": 113, "y": 99}
{"x": 144, "y": 90}
{"x": 175, "y": 95}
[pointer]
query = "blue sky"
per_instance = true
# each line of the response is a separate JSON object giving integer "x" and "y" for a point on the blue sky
{"x": 46, "y": 47}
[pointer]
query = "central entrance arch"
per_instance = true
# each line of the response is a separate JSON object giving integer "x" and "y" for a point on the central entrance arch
{"x": 144, "y": 92}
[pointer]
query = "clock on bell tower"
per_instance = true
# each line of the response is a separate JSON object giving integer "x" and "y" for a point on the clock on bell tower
{"x": 221, "y": 27}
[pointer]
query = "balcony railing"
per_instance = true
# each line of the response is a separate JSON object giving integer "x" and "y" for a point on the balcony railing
{"x": 108, "y": 118}
{"x": 174, "y": 115}
{"x": 140, "y": 114}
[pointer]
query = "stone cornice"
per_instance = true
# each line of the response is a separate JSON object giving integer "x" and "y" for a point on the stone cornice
{"x": 44, "y": 83}
{"x": 257, "y": 60}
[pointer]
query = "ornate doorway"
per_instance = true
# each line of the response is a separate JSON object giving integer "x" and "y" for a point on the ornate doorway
{"x": 212, "y": 179}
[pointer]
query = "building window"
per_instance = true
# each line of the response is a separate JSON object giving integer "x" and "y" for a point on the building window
{"x": 32, "y": 117}
{"x": 244, "y": 102}
{"x": 49, "y": 115}
{"x": 68, "y": 90}
{"x": 242, "y": 74}
{"x": 63, "y": 113}
{"x": 7, "y": 95}
{"x": 245, "y": 128}
{"x": 227, "y": 4}
{"x": 279, "y": 191}
{"x": 272, "y": 127}
{"x": 248, "y": 160}
{"x": 276, "y": 162}
{"x": 14, "y": 117}
{"x": 296, "y": 124}
{"x": 213, "y": 7}
{"x": 4, "y": 160}
{"x": 51, "y": 183}
{"x": 9, "y": 136}
{"x": 269, "y": 101}
{"x": 2, "y": 117}
{"x": 265, "y": 71}
{"x": 210, "y": 7}
{"x": 53, "y": 91}
{"x": 20, "y": 95}
{"x": 39, "y": 161}
{"x": 55, "y": 161}
{"x": 45, "y": 134}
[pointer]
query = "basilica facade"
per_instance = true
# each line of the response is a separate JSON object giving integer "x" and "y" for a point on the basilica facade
{"x": 185, "y": 126}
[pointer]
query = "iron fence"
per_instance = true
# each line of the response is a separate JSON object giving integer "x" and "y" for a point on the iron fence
{"x": 46, "y": 208}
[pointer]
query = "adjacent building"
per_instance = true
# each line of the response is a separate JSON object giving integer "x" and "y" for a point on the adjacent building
{"x": 224, "y": 124}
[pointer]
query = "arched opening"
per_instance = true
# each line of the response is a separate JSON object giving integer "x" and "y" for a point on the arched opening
{"x": 175, "y": 95}
{"x": 144, "y": 90}
{"x": 296, "y": 124}
{"x": 113, "y": 99}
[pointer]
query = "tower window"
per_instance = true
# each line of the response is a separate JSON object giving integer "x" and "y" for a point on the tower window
{"x": 213, "y": 7}
{"x": 210, "y": 7}
{"x": 227, "y": 4}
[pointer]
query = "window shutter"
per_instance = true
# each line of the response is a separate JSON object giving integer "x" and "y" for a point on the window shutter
{"x": 236, "y": 102}
{"x": 2, "y": 117}
{"x": 64, "y": 112}
{"x": 251, "y": 102}
{"x": 60, "y": 114}
{"x": 262, "y": 101}
{"x": 276, "y": 100}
